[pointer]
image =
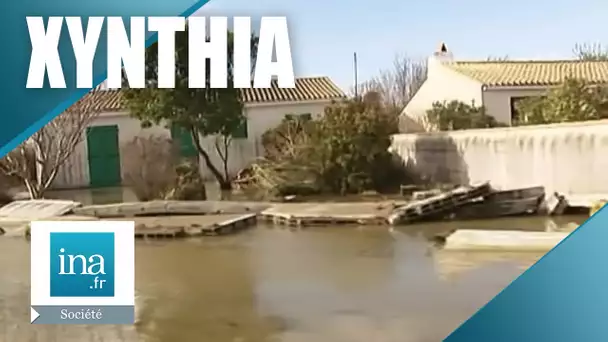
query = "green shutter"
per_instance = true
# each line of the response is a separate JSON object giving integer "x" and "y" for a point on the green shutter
{"x": 241, "y": 131}
{"x": 103, "y": 156}
{"x": 184, "y": 140}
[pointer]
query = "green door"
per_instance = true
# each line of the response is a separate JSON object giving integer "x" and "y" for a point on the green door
{"x": 104, "y": 156}
{"x": 184, "y": 141}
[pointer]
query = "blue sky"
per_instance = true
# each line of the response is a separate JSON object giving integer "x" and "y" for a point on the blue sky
{"x": 325, "y": 33}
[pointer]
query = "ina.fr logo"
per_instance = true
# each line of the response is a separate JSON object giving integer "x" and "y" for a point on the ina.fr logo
{"x": 82, "y": 264}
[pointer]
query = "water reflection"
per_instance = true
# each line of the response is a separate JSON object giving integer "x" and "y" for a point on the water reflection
{"x": 269, "y": 284}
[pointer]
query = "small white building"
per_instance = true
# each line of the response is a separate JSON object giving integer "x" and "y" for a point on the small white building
{"x": 97, "y": 162}
{"x": 496, "y": 85}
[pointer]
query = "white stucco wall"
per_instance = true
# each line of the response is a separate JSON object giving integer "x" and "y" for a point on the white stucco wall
{"x": 261, "y": 117}
{"x": 567, "y": 158}
{"x": 497, "y": 101}
{"x": 442, "y": 84}
{"x": 75, "y": 172}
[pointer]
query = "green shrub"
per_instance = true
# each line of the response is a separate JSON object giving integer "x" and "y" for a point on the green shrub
{"x": 456, "y": 115}
{"x": 345, "y": 151}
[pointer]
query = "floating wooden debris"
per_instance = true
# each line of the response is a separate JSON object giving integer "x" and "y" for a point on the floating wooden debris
{"x": 70, "y": 217}
{"x": 525, "y": 201}
{"x": 500, "y": 240}
{"x": 14, "y": 228}
{"x": 144, "y": 232}
{"x": 438, "y": 205}
{"x": 175, "y": 227}
{"x": 555, "y": 204}
{"x": 321, "y": 214}
{"x": 160, "y": 227}
{"x": 229, "y": 226}
{"x": 424, "y": 194}
{"x": 36, "y": 209}
{"x": 157, "y": 208}
{"x": 309, "y": 220}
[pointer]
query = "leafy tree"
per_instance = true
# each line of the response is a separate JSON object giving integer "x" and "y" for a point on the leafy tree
{"x": 591, "y": 52}
{"x": 351, "y": 144}
{"x": 574, "y": 100}
{"x": 201, "y": 112}
{"x": 456, "y": 115}
{"x": 344, "y": 151}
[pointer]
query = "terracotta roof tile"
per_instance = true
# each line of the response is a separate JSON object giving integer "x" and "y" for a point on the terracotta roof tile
{"x": 307, "y": 89}
{"x": 532, "y": 73}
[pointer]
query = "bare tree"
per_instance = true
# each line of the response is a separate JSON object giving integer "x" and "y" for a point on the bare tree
{"x": 591, "y": 52}
{"x": 36, "y": 161}
{"x": 149, "y": 166}
{"x": 397, "y": 85}
{"x": 406, "y": 79}
{"x": 370, "y": 86}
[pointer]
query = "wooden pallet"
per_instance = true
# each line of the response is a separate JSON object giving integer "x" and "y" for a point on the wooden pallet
{"x": 439, "y": 204}
{"x": 145, "y": 232}
{"x": 161, "y": 208}
{"x": 226, "y": 227}
{"x": 311, "y": 221}
{"x": 152, "y": 230}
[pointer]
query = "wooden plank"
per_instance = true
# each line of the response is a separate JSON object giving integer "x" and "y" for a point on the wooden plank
{"x": 157, "y": 232}
{"x": 37, "y": 209}
{"x": 228, "y": 226}
{"x": 157, "y": 208}
{"x": 190, "y": 226}
{"x": 439, "y": 204}
{"x": 158, "y": 227}
{"x": 310, "y": 220}
{"x": 496, "y": 240}
{"x": 495, "y": 209}
{"x": 320, "y": 215}
{"x": 524, "y": 193}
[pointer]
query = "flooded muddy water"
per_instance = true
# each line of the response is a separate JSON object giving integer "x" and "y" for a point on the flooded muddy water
{"x": 328, "y": 284}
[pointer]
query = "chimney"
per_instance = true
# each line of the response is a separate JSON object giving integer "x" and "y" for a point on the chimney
{"x": 440, "y": 56}
{"x": 442, "y": 53}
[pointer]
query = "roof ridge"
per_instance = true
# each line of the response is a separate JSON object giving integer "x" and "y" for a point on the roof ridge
{"x": 306, "y": 77}
{"x": 531, "y": 73}
{"x": 528, "y": 61}
{"x": 317, "y": 88}
{"x": 326, "y": 78}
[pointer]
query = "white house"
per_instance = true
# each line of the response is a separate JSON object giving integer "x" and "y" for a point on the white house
{"x": 97, "y": 163}
{"x": 497, "y": 85}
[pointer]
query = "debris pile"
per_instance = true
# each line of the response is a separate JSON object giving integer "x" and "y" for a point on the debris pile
{"x": 471, "y": 202}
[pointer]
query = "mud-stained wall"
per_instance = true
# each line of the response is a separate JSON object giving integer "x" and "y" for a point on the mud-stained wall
{"x": 571, "y": 158}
